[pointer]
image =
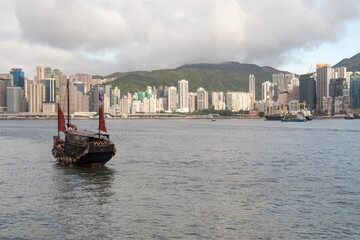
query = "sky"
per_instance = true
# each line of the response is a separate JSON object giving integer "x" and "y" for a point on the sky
{"x": 106, "y": 36}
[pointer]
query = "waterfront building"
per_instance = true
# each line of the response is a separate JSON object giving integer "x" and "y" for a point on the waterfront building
{"x": 135, "y": 108}
{"x": 5, "y": 81}
{"x": 49, "y": 107}
{"x": 50, "y": 90}
{"x": 172, "y": 99}
{"x": 217, "y": 100}
{"x": 327, "y": 105}
{"x": 183, "y": 87}
{"x": 284, "y": 98}
{"x": 192, "y": 102}
{"x": 307, "y": 91}
{"x": 124, "y": 106}
{"x": 36, "y": 97}
{"x": 267, "y": 91}
{"x": 95, "y": 104}
{"x": 14, "y": 99}
{"x": 79, "y": 102}
{"x": 252, "y": 86}
{"x": 355, "y": 93}
{"x": 18, "y": 78}
{"x": 237, "y": 101}
{"x": 341, "y": 105}
{"x": 323, "y": 76}
{"x": 202, "y": 99}
{"x": 336, "y": 87}
{"x": 152, "y": 103}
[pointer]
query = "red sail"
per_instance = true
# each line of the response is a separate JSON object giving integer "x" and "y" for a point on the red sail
{"x": 102, "y": 121}
{"x": 61, "y": 121}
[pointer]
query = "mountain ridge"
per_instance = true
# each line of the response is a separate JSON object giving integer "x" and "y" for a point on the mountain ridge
{"x": 226, "y": 76}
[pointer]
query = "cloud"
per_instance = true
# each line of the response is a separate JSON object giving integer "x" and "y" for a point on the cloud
{"x": 102, "y": 37}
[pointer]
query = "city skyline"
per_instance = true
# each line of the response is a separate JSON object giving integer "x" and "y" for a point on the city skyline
{"x": 111, "y": 36}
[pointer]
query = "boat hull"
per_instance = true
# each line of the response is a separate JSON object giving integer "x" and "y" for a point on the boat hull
{"x": 91, "y": 155}
{"x": 294, "y": 120}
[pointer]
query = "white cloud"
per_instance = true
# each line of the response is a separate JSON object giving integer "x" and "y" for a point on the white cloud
{"x": 102, "y": 37}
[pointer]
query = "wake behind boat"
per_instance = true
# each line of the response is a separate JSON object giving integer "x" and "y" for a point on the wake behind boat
{"x": 82, "y": 147}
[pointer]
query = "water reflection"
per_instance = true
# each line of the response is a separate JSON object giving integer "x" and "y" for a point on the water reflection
{"x": 81, "y": 199}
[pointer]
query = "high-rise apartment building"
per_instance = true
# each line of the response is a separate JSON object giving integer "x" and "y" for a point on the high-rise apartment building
{"x": 86, "y": 79}
{"x": 192, "y": 102}
{"x": 36, "y": 97}
{"x": 94, "y": 99}
{"x": 217, "y": 100}
{"x": 172, "y": 99}
{"x": 267, "y": 91}
{"x": 237, "y": 101}
{"x": 252, "y": 85}
{"x": 323, "y": 76}
{"x": 202, "y": 99}
{"x": 183, "y": 87}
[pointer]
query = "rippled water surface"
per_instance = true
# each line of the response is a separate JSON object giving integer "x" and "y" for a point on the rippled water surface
{"x": 191, "y": 179}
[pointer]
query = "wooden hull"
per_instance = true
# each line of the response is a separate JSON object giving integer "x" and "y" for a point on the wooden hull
{"x": 90, "y": 155}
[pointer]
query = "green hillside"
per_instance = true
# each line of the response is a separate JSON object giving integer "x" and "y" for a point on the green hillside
{"x": 351, "y": 64}
{"x": 230, "y": 76}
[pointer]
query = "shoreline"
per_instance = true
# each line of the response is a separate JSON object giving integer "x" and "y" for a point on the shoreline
{"x": 156, "y": 117}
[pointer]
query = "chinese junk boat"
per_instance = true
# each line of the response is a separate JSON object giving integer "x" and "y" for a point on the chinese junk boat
{"x": 82, "y": 147}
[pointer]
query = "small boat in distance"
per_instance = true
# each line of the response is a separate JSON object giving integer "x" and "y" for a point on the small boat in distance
{"x": 349, "y": 116}
{"x": 82, "y": 147}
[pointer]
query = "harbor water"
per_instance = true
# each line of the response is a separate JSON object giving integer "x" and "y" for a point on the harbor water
{"x": 187, "y": 179}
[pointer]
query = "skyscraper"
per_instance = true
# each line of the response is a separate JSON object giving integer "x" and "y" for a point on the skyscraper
{"x": 323, "y": 75}
{"x": 307, "y": 91}
{"x": 183, "y": 86}
{"x": 14, "y": 99}
{"x": 56, "y": 75}
{"x": 50, "y": 90}
{"x": 355, "y": 93}
{"x": 252, "y": 85}
{"x": 18, "y": 77}
{"x": 40, "y": 73}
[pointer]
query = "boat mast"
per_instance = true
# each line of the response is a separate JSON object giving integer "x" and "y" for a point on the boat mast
{"x": 99, "y": 121}
{"x": 68, "y": 103}
{"x": 58, "y": 120}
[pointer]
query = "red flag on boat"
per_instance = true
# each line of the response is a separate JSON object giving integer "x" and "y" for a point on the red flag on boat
{"x": 102, "y": 121}
{"x": 61, "y": 121}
